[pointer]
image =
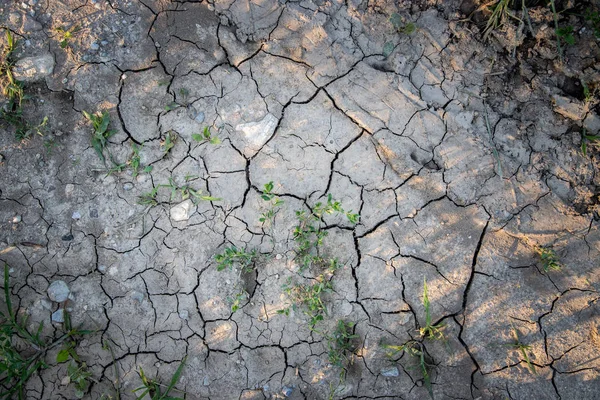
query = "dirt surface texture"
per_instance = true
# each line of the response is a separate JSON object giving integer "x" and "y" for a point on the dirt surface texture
{"x": 461, "y": 157}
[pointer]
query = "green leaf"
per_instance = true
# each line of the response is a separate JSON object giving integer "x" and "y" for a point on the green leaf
{"x": 176, "y": 376}
{"x": 396, "y": 20}
{"x": 215, "y": 140}
{"x": 210, "y": 198}
{"x": 206, "y": 132}
{"x": 148, "y": 168}
{"x": 388, "y": 48}
{"x": 62, "y": 356}
{"x": 197, "y": 137}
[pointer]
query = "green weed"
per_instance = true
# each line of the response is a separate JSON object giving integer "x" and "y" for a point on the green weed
{"x": 16, "y": 369}
{"x": 233, "y": 256}
{"x": 549, "y": 259}
{"x": 340, "y": 344}
{"x": 522, "y": 348}
{"x": 417, "y": 351}
{"x": 185, "y": 192}
{"x": 401, "y": 25}
{"x": 587, "y": 140}
{"x": 500, "y": 11}
{"x": 309, "y": 298}
{"x": 309, "y": 234}
{"x": 153, "y": 389}
{"x": 66, "y": 35}
{"x": 593, "y": 17}
{"x": 238, "y": 299}
{"x": 100, "y": 122}
{"x": 168, "y": 142}
{"x": 206, "y": 136}
{"x": 274, "y": 204}
{"x": 430, "y": 331}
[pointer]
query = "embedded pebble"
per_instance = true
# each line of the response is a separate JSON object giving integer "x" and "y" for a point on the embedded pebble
{"x": 16, "y": 219}
{"x": 94, "y": 46}
{"x": 127, "y": 186}
{"x": 76, "y": 215}
{"x": 182, "y": 211}
{"x": 287, "y": 391}
{"x": 67, "y": 238}
{"x": 102, "y": 268}
{"x": 137, "y": 296}
{"x": 390, "y": 372}
{"x": 184, "y": 314}
{"x": 58, "y": 291}
{"x": 58, "y": 316}
{"x": 93, "y": 213}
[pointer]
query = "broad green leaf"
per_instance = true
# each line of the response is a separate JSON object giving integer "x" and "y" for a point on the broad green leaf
{"x": 62, "y": 356}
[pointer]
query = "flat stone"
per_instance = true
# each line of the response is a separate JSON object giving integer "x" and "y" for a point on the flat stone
{"x": 33, "y": 69}
{"x": 182, "y": 211}
{"x": 58, "y": 316}
{"x": 31, "y": 25}
{"x": 257, "y": 133}
{"x": 569, "y": 108}
{"x": 390, "y": 372}
{"x": 58, "y": 291}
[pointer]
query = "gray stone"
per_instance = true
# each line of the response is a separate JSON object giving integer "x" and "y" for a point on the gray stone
{"x": 58, "y": 316}
{"x": 31, "y": 25}
{"x": 33, "y": 69}
{"x": 137, "y": 296}
{"x": 58, "y": 291}
{"x": 184, "y": 314}
{"x": 287, "y": 391}
{"x": 76, "y": 215}
{"x": 93, "y": 213}
{"x": 127, "y": 186}
{"x": 390, "y": 372}
{"x": 257, "y": 133}
{"x": 16, "y": 219}
{"x": 182, "y": 211}
{"x": 94, "y": 46}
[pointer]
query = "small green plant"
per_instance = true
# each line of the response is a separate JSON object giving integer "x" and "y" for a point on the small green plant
{"x": 522, "y": 348}
{"x": 565, "y": 35}
{"x": 153, "y": 389}
{"x": 168, "y": 142}
{"x": 274, "y": 204}
{"x": 238, "y": 299}
{"x": 206, "y": 136}
{"x": 80, "y": 377}
{"x": 309, "y": 234}
{"x": 185, "y": 192}
{"x": 549, "y": 259}
{"x": 15, "y": 369}
{"x": 402, "y": 26}
{"x": 232, "y": 256}
{"x": 430, "y": 331}
{"x": 417, "y": 351}
{"x": 100, "y": 122}
{"x": 500, "y": 11}
{"x": 588, "y": 139}
{"x": 340, "y": 344}
{"x": 593, "y": 17}
{"x": 66, "y": 35}
{"x": 309, "y": 298}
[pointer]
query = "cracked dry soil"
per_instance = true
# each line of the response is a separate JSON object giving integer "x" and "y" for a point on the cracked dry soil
{"x": 301, "y": 94}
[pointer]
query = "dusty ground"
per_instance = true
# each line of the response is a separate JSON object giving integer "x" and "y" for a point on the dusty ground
{"x": 318, "y": 97}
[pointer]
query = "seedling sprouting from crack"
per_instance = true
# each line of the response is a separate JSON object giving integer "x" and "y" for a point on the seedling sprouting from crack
{"x": 340, "y": 344}
{"x": 275, "y": 203}
{"x": 417, "y": 350}
{"x": 309, "y": 234}
{"x": 430, "y": 331}
{"x": 206, "y": 136}
{"x": 549, "y": 259}
{"x": 233, "y": 256}
{"x": 588, "y": 139}
{"x": 100, "y": 122}
{"x": 153, "y": 389}
{"x": 66, "y": 35}
{"x": 168, "y": 142}
{"x": 185, "y": 192}
{"x": 236, "y": 301}
{"x": 135, "y": 161}
{"x": 522, "y": 348}
{"x": 309, "y": 298}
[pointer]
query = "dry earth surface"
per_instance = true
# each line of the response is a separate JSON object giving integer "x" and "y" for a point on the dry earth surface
{"x": 462, "y": 158}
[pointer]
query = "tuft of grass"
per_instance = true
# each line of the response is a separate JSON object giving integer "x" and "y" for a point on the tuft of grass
{"x": 185, "y": 192}
{"x": 65, "y": 35}
{"x": 588, "y": 139}
{"x": 309, "y": 298}
{"x": 238, "y": 299}
{"x": 153, "y": 388}
{"x": 523, "y": 349}
{"x": 500, "y": 12}
{"x": 417, "y": 351}
{"x": 168, "y": 142}
{"x": 401, "y": 25}
{"x": 100, "y": 122}
{"x": 549, "y": 259}
{"x": 430, "y": 331}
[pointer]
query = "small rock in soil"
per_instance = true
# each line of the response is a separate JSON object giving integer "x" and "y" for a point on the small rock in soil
{"x": 93, "y": 213}
{"x": 58, "y": 316}
{"x": 137, "y": 296}
{"x": 389, "y": 372}
{"x": 287, "y": 391}
{"x": 67, "y": 238}
{"x": 58, "y": 291}
{"x": 16, "y": 219}
{"x": 32, "y": 69}
{"x": 127, "y": 186}
{"x": 181, "y": 212}
{"x": 76, "y": 215}
{"x": 184, "y": 314}
{"x": 31, "y": 25}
